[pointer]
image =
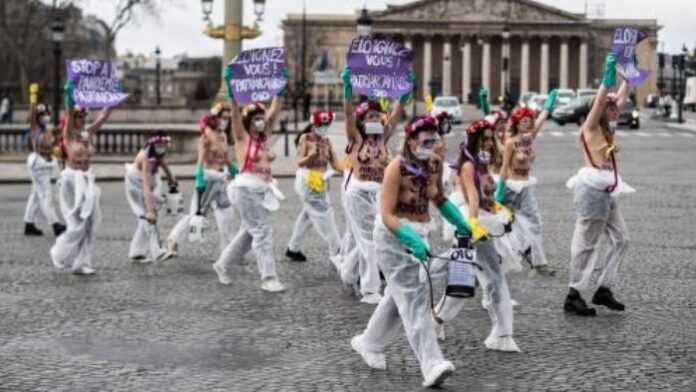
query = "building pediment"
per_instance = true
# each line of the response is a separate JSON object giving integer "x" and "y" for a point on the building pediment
{"x": 519, "y": 11}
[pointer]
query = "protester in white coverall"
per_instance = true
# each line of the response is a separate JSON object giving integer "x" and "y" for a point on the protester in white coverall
{"x": 41, "y": 166}
{"x": 315, "y": 153}
{"x": 255, "y": 194}
{"x": 143, "y": 192}
{"x": 412, "y": 182}
{"x": 597, "y": 186}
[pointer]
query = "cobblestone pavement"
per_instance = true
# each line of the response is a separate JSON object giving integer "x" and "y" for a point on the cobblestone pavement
{"x": 172, "y": 327}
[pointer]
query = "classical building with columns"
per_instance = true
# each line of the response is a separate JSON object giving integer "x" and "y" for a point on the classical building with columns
{"x": 463, "y": 45}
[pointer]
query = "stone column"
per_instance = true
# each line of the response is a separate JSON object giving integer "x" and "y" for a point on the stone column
{"x": 504, "y": 75}
{"x": 544, "y": 67}
{"x": 446, "y": 67}
{"x": 466, "y": 69}
{"x": 486, "y": 65}
{"x": 427, "y": 65}
{"x": 524, "y": 69}
{"x": 583, "y": 64}
{"x": 564, "y": 63}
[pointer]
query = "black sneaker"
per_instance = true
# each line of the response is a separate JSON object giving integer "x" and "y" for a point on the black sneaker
{"x": 575, "y": 304}
{"x": 605, "y": 297}
{"x": 58, "y": 229}
{"x": 31, "y": 230}
{"x": 295, "y": 256}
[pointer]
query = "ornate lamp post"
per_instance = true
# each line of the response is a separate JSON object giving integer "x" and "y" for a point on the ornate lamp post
{"x": 57, "y": 37}
{"x": 364, "y": 23}
{"x": 232, "y": 31}
{"x": 158, "y": 72}
{"x": 506, "y": 61}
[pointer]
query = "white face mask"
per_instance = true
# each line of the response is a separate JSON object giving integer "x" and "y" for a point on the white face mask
{"x": 322, "y": 130}
{"x": 224, "y": 124}
{"x": 613, "y": 125}
{"x": 160, "y": 149}
{"x": 260, "y": 125}
{"x": 84, "y": 135}
{"x": 484, "y": 157}
{"x": 374, "y": 128}
{"x": 423, "y": 153}
{"x": 45, "y": 119}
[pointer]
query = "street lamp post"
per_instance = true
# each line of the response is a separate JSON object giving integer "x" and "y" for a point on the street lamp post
{"x": 158, "y": 71}
{"x": 506, "y": 61}
{"x": 57, "y": 36}
{"x": 364, "y": 23}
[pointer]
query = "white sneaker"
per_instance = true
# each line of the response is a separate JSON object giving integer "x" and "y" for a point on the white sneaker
{"x": 272, "y": 285}
{"x": 501, "y": 343}
{"x": 336, "y": 261}
{"x": 172, "y": 247}
{"x": 371, "y": 298}
{"x": 84, "y": 271}
{"x": 438, "y": 374}
{"x": 514, "y": 303}
{"x": 164, "y": 256}
{"x": 222, "y": 274}
{"x": 57, "y": 264}
{"x": 372, "y": 359}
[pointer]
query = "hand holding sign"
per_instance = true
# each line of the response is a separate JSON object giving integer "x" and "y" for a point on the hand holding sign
{"x": 257, "y": 75}
{"x": 380, "y": 68}
{"x": 93, "y": 84}
{"x": 623, "y": 47}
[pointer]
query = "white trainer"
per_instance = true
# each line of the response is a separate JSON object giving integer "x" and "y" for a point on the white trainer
{"x": 372, "y": 299}
{"x": 222, "y": 274}
{"x": 84, "y": 271}
{"x": 501, "y": 343}
{"x": 164, "y": 256}
{"x": 172, "y": 247}
{"x": 438, "y": 374}
{"x": 372, "y": 359}
{"x": 272, "y": 285}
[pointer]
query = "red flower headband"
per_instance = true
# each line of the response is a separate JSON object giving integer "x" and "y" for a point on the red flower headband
{"x": 521, "y": 113}
{"x": 363, "y": 108}
{"x": 478, "y": 126}
{"x": 422, "y": 123}
{"x": 320, "y": 118}
{"x": 158, "y": 139}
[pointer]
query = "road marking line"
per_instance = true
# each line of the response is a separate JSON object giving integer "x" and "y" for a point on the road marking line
{"x": 622, "y": 133}
{"x": 664, "y": 134}
{"x": 685, "y": 134}
{"x": 641, "y": 134}
{"x": 556, "y": 133}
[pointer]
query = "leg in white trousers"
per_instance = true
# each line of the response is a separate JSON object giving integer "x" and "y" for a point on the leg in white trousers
{"x": 597, "y": 213}
{"x": 525, "y": 204}
{"x": 405, "y": 302}
{"x": 41, "y": 196}
{"x": 324, "y": 223}
{"x": 361, "y": 210}
{"x": 254, "y": 234}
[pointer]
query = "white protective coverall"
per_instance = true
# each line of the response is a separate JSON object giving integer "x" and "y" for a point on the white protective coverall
{"x": 215, "y": 196}
{"x": 597, "y": 212}
{"x": 254, "y": 199}
{"x": 41, "y": 196}
{"x": 146, "y": 240}
{"x": 316, "y": 211}
{"x": 79, "y": 204}
{"x": 406, "y": 301}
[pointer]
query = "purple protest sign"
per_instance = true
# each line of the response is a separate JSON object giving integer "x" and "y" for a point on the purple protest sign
{"x": 623, "y": 46}
{"x": 379, "y": 67}
{"x": 258, "y": 74}
{"x": 94, "y": 83}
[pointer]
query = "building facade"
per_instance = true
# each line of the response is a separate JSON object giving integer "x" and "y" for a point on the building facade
{"x": 461, "y": 46}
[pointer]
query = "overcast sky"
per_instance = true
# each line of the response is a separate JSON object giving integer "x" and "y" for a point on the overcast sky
{"x": 177, "y": 28}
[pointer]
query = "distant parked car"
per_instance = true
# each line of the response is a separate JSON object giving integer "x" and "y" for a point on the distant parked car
{"x": 536, "y": 102}
{"x": 525, "y": 97}
{"x": 450, "y": 105}
{"x": 586, "y": 92}
{"x": 576, "y": 112}
{"x": 565, "y": 96}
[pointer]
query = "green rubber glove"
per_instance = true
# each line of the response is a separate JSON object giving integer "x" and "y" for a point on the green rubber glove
{"x": 452, "y": 215}
{"x": 483, "y": 102}
{"x": 500, "y": 189}
{"x": 551, "y": 101}
{"x": 227, "y": 76}
{"x": 233, "y": 169}
{"x": 609, "y": 77}
{"x": 68, "y": 96}
{"x": 413, "y": 241}
{"x": 347, "y": 85}
{"x": 200, "y": 179}
{"x": 404, "y": 99}
{"x": 286, "y": 76}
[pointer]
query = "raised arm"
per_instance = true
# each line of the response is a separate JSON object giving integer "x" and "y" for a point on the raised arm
{"x": 238, "y": 131}
{"x": 101, "y": 120}
{"x": 484, "y": 104}
{"x": 544, "y": 115}
{"x": 351, "y": 131}
{"x": 622, "y": 95}
{"x": 272, "y": 115}
{"x": 398, "y": 110}
{"x": 33, "y": 123}
{"x": 69, "y": 101}
{"x": 600, "y": 100}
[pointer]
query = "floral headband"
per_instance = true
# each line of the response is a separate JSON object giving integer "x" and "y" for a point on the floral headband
{"x": 422, "y": 123}
{"x": 521, "y": 113}
{"x": 363, "y": 108}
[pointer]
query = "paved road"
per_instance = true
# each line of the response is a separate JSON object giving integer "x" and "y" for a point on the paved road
{"x": 173, "y": 328}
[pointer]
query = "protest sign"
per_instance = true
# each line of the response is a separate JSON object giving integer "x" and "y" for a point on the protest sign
{"x": 258, "y": 74}
{"x": 623, "y": 46}
{"x": 380, "y": 68}
{"x": 94, "y": 83}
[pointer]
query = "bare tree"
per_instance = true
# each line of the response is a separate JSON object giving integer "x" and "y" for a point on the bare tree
{"x": 124, "y": 14}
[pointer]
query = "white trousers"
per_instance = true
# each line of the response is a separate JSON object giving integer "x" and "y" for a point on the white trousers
{"x": 255, "y": 232}
{"x": 405, "y": 302}
{"x": 79, "y": 202}
{"x": 214, "y": 197}
{"x": 41, "y": 196}
{"x": 361, "y": 212}
{"x": 597, "y": 213}
{"x": 524, "y": 204}
{"x": 146, "y": 239}
{"x": 317, "y": 212}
